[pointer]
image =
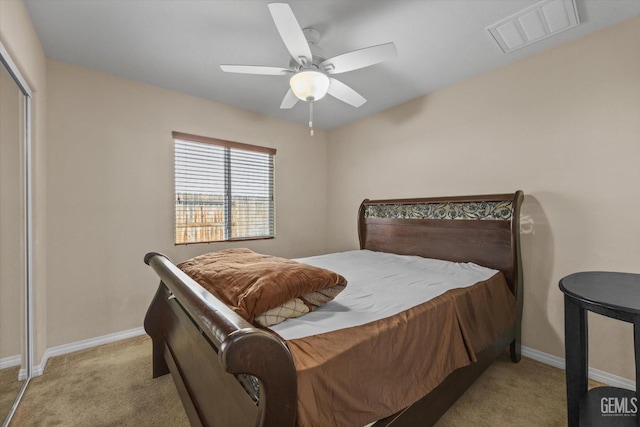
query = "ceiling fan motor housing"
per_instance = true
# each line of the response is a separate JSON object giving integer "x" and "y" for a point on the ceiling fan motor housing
{"x": 313, "y": 37}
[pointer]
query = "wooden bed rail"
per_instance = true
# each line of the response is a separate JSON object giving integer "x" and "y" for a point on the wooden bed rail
{"x": 200, "y": 304}
{"x": 241, "y": 347}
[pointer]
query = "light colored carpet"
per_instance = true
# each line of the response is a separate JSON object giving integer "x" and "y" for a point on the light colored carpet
{"x": 9, "y": 389}
{"x": 524, "y": 394}
{"x": 111, "y": 385}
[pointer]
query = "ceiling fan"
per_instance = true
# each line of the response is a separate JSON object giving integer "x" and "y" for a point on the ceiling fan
{"x": 310, "y": 71}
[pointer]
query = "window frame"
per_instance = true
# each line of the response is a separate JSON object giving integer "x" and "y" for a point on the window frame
{"x": 227, "y": 178}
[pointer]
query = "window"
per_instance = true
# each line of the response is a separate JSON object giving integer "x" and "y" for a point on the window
{"x": 223, "y": 190}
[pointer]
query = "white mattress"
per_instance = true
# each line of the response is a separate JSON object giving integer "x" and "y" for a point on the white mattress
{"x": 379, "y": 285}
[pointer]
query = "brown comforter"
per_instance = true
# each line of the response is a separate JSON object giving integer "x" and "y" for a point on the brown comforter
{"x": 252, "y": 283}
{"x": 354, "y": 376}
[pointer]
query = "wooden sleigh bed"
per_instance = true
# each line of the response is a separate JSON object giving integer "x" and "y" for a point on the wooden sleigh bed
{"x": 213, "y": 353}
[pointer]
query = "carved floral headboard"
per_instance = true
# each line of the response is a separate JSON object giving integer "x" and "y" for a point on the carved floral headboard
{"x": 481, "y": 229}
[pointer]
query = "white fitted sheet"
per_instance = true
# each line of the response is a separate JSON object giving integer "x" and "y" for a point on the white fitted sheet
{"x": 379, "y": 285}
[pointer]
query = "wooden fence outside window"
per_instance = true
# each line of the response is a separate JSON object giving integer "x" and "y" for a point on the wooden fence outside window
{"x": 201, "y": 218}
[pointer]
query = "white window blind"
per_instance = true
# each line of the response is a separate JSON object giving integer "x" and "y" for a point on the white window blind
{"x": 223, "y": 190}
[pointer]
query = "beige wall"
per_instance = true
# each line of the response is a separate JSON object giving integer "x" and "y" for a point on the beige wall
{"x": 564, "y": 126}
{"x": 21, "y": 41}
{"x": 110, "y": 186}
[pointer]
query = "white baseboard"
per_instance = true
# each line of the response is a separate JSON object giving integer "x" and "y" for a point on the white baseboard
{"x": 10, "y": 362}
{"x": 82, "y": 345}
{"x": 594, "y": 374}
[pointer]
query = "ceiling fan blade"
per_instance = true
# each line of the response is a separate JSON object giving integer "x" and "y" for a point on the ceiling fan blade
{"x": 344, "y": 93}
{"x": 255, "y": 69}
{"x": 289, "y": 100}
{"x": 290, "y": 32}
{"x": 359, "y": 58}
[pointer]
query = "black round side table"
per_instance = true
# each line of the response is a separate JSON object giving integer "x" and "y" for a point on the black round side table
{"x": 615, "y": 295}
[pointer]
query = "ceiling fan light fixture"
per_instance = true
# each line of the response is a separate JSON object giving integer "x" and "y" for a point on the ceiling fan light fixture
{"x": 309, "y": 85}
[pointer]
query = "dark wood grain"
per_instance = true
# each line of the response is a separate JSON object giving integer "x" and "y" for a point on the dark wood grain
{"x": 491, "y": 243}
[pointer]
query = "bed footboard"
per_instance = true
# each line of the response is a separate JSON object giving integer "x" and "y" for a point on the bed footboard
{"x": 205, "y": 345}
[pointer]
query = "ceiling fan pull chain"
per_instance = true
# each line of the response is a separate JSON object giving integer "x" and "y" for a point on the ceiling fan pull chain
{"x": 310, "y": 116}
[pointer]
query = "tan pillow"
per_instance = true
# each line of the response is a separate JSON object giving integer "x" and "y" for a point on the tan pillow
{"x": 252, "y": 283}
{"x": 290, "y": 309}
{"x": 299, "y": 306}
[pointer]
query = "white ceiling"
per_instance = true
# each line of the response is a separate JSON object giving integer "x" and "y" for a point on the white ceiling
{"x": 179, "y": 45}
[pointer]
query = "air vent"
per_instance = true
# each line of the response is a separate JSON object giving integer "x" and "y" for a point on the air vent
{"x": 542, "y": 20}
